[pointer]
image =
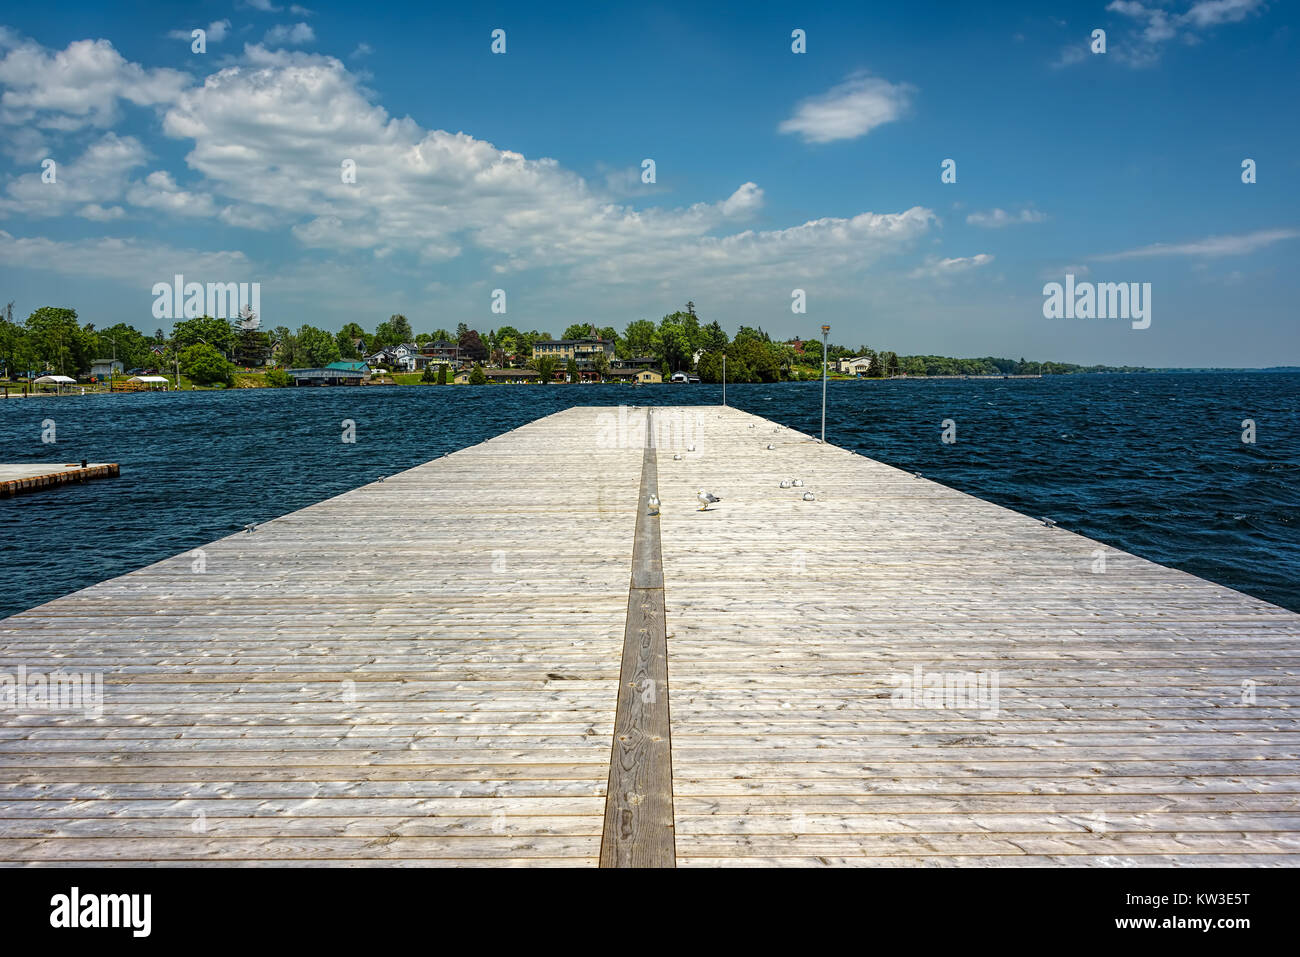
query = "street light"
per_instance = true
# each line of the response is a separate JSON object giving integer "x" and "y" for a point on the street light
{"x": 826, "y": 331}
{"x": 724, "y": 378}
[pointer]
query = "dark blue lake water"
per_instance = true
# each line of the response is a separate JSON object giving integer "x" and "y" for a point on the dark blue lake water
{"x": 1153, "y": 464}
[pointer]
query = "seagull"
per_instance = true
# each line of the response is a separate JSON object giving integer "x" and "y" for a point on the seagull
{"x": 690, "y": 448}
{"x": 250, "y": 527}
{"x": 770, "y": 446}
{"x": 809, "y": 497}
{"x": 706, "y": 499}
{"x": 785, "y": 483}
{"x": 1049, "y": 522}
{"x": 916, "y": 474}
{"x": 653, "y": 502}
{"x": 797, "y": 483}
{"x": 677, "y": 456}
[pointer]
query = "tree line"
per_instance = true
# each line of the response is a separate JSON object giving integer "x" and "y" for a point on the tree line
{"x": 211, "y": 350}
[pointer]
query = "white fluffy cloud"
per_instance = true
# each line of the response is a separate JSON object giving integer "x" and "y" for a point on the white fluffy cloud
{"x": 997, "y": 218}
{"x": 136, "y": 262}
{"x": 99, "y": 175}
{"x": 940, "y": 268}
{"x": 265, "y": 138}
{"x": 272, "y": 134}
{"x": 296, "y": 35}
{"x": 1155, "y": 24}
{"x": 160, "y": 191}
{"x": 78, "y": 86}
{"x": 852, "y": 109}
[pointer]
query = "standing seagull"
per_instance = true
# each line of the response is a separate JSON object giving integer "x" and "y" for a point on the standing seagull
{"x": 706, "y": 499}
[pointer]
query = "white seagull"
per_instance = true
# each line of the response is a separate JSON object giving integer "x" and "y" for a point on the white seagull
{"x": 706, "y": 499}
{"x": 785, "y": 483}
{"x": 797, "y": 483}
{"x": 653, "y": 502}
{"x": 809, "y": 497}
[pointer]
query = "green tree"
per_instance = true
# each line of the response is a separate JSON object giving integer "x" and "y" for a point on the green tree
{"x": 17, "y": 350}
{"x": 442, "y": 373}
{"x": 601, "y": 364}
{"x": 278, "y": 378}
{"x": 123, "y": 342}
{"x": 386, "y": 334}
{"x": 251, "y": 347}
{"x": 206, "y": 366}
{"x": 712, "y": 338}
{"x": 545, "y": 366}
{"x": 579, "y": 330}
{"x": 640, "y": 338}
{"x": 477, "y": 376}
{"x": 347, "y": 337}
{"x": 709, "y": 368}
{"x": 401, "y": 327}
{"x": 571, "y": 369}
{"x": 57, "y": 341}
{"x": 208, "y": 330}
{"x": 673, "y": 344}
{"x": 430, "y": 373}
{"x": 313, "y": 348}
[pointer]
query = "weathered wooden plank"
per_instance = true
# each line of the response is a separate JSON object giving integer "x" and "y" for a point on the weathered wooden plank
{"x": 638, "y": 829}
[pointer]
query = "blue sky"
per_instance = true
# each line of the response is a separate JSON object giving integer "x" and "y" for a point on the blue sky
{"x": 775, "y": 171}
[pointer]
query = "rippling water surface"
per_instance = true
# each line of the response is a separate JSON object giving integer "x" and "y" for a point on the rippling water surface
{"x": 1153, "y": 464}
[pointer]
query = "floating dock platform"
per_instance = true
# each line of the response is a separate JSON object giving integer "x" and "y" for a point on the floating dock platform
{"x": 501, "y": 657}
{"x": 18, "y": 479}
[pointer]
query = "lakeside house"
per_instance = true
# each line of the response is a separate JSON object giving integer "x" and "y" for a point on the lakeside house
{"x": 638, "y": 376}
{"x": 582, "y": 351}
{"x": 442, "y": 352}
{"x": 104, "y": 368}
{"x": 858, "y": 365}
{"x": 403, "y": 357}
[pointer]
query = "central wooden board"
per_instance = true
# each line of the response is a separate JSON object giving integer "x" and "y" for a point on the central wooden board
{"x": 639, "y": 800}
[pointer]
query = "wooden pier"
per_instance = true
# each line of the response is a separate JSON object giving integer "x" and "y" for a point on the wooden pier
{"x": 17, "y": 479}
{"x": 426, "y": 670}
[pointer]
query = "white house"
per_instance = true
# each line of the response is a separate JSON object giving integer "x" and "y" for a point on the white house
{"x": 403, "y": 357}
{"x": 103, "y": 368}
{"x": 859, "y": 365}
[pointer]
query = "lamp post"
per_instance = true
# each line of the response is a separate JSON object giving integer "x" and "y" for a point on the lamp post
{"x": 826, "y": 331}
{"x": 724, "y": 378}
